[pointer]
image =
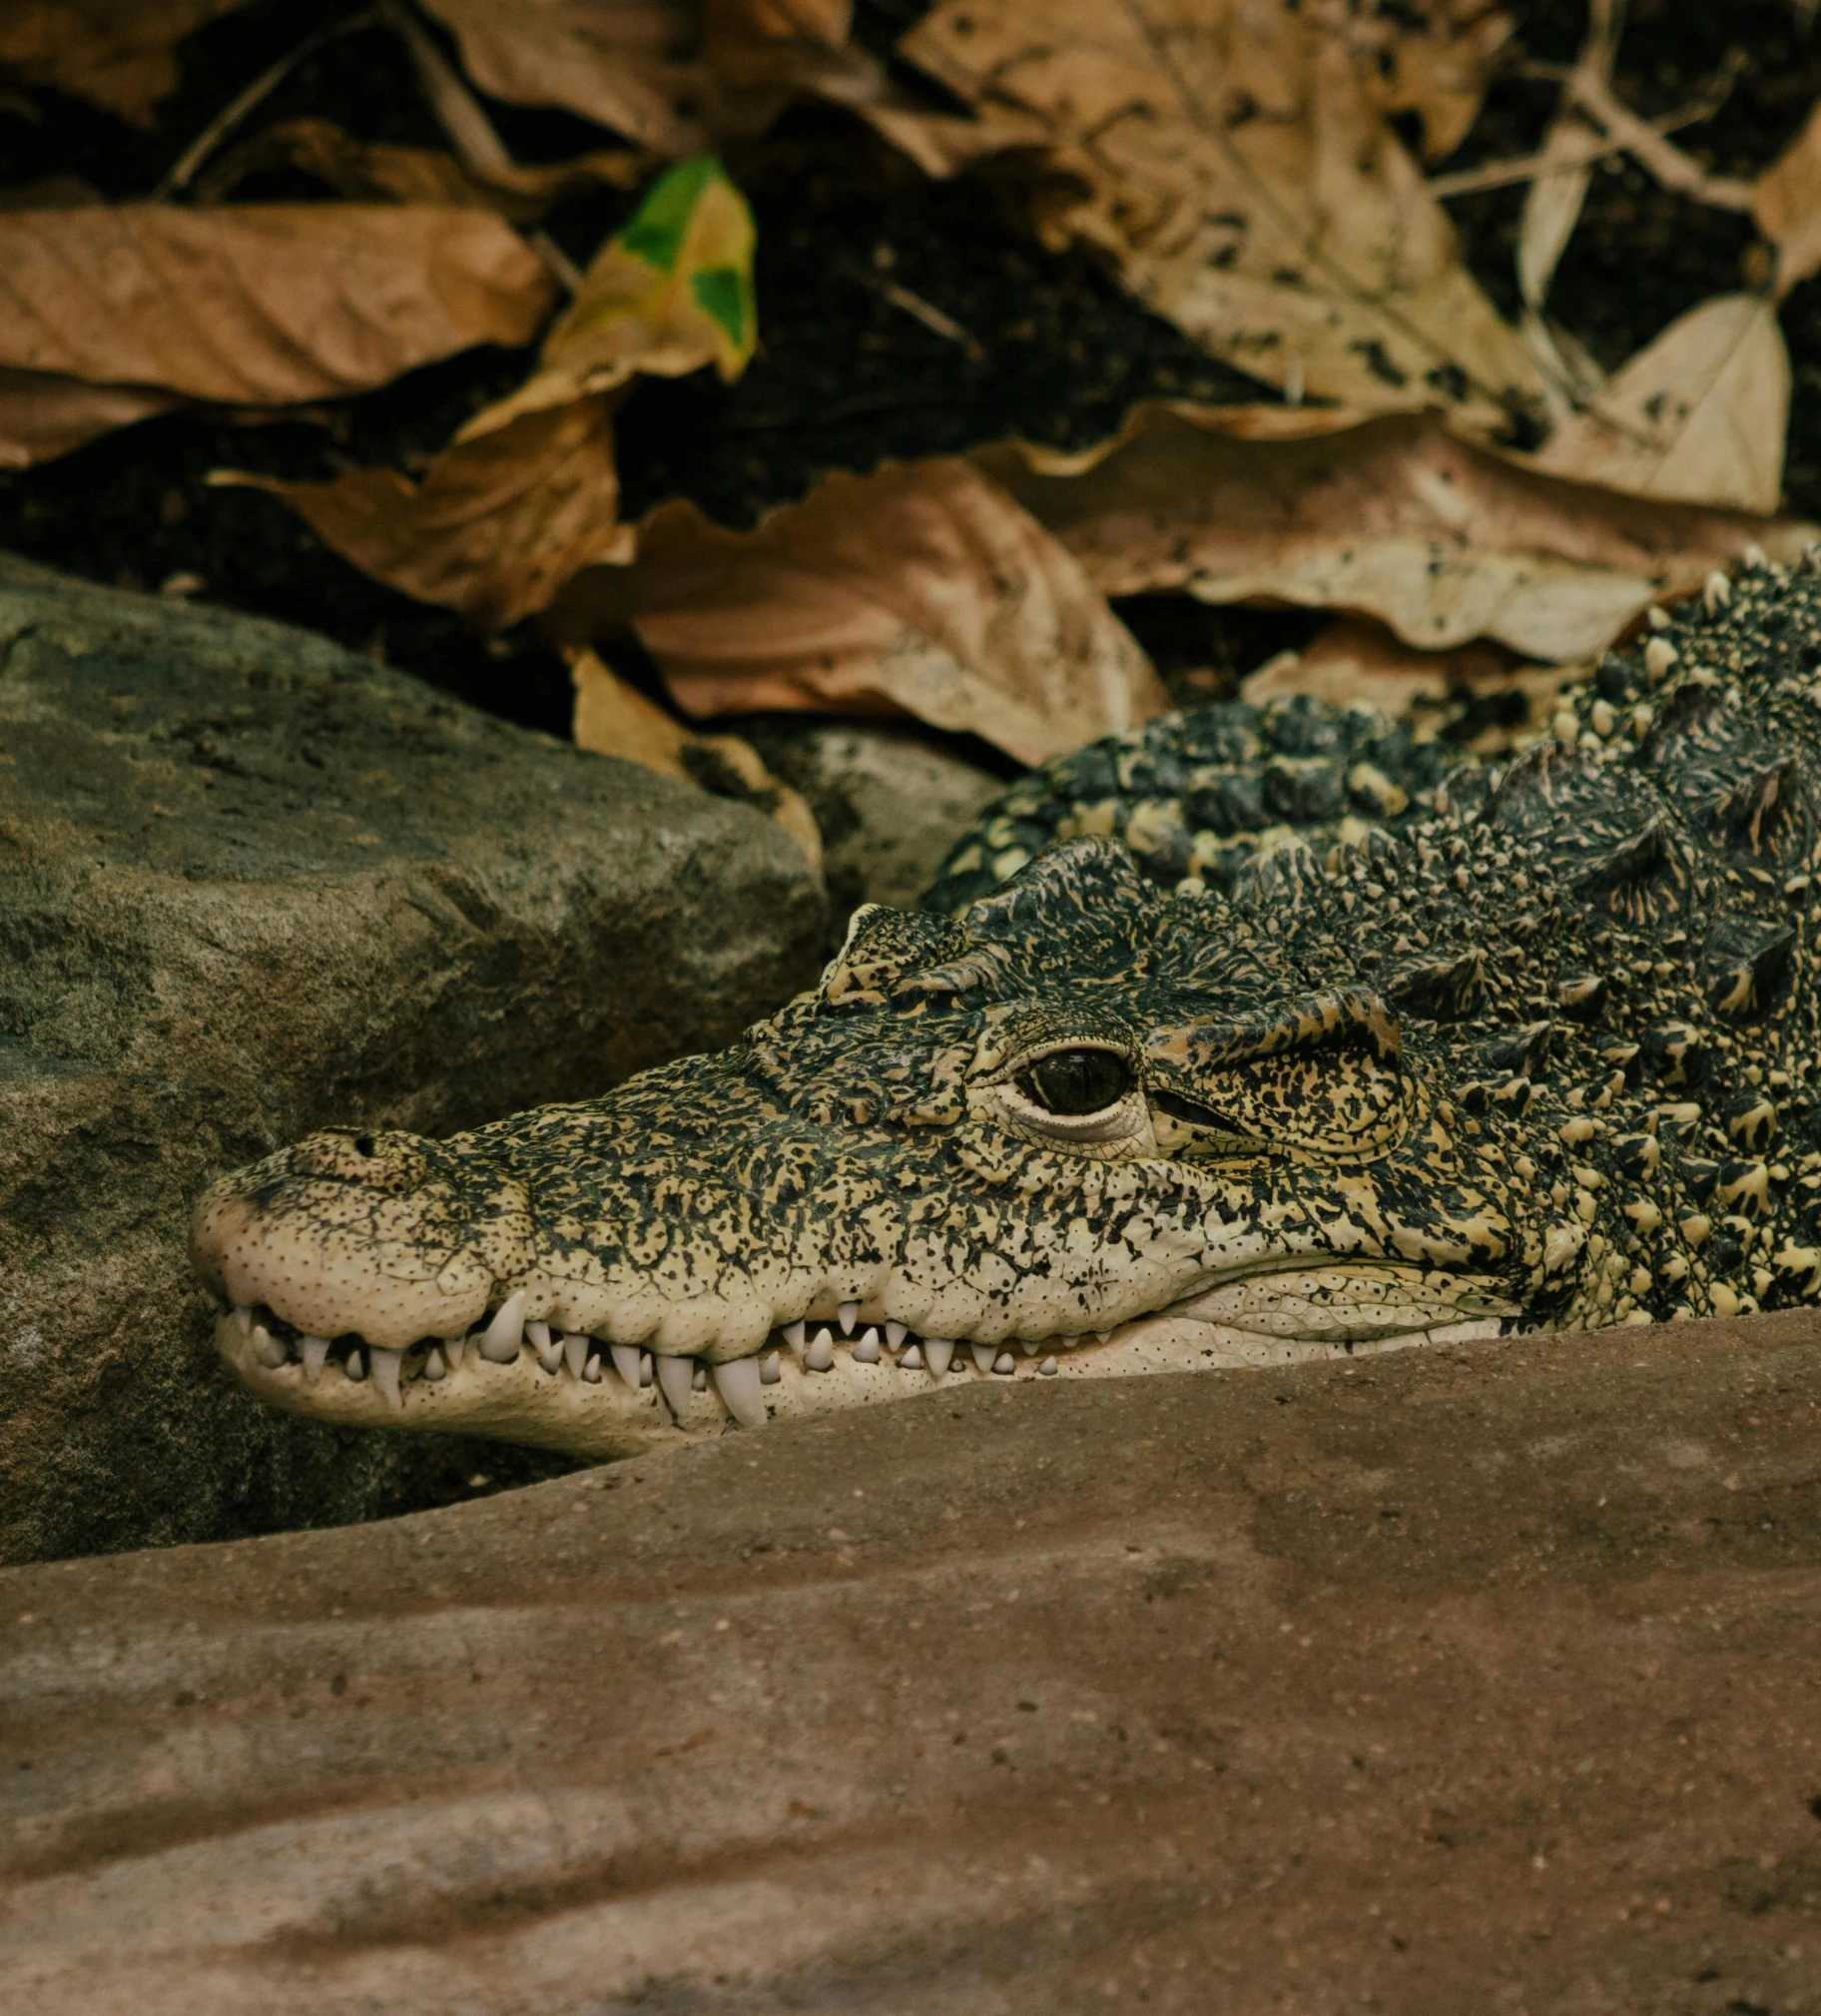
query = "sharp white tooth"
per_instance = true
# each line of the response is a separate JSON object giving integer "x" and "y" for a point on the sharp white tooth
{"x": 266, "y": 1350}
{"x": 455, "y": 1349}
{"x": 549, "y": 1350}
{"x": 895, "y": 1333}
{"x": 386, "y": 1368}
{"x": 983, "y": 1355}
{"x": 539, "y": 1334}
{"x": 793, "y": 1335}
{"x": 499, "y": 1341}
{"x": 738, "y": 1383}
{"x": 676, "y": 1376}
{"x": 1005, "y": 1361}
{"x": 866, "y": 1350}
{"x": 433, "y": 1366}
{"x": 912, "y": 1361}
{"x": 770, "y": 1371}
{"x": 316, "y": 1356}
{"x": 626, "y": 1363}
{"x": 242, "y": 1319}
{"x": 353, "y": 1365}
{"x": 847, "y": 1316}
{"x": 1104, "y": 1335}
{"x": 1048, "y": 1369}
{"x": 820, "y": 1354}
{"x": 645, "y": 1365}
{"x": 698, "y": 1382}
{"x": 1029, "y": 1346}
{"x": 591, "y": 1372}
{"x": 937, "y": 1353}
{"x": 575, "y": 1353}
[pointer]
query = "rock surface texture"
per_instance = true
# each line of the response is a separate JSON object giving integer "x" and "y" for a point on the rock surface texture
{"x": 1487, "y": 1676}
{"x": 250, "y": 883}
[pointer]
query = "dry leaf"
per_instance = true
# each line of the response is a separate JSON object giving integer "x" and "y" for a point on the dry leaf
{"x": 118, "y": 54}
{"x": 1395, "y": 517}
{"x": 1230, "y": 163}
{"x": 496, "y": 527}
{"x": 1702, "y": 414}
{"x": 1433, "y": 60}
{"x": 366, "y": 170}
{"x": 264, "y": 304}
{"x": 1786, "y": 205}
{"x": 614, "y": 719}
{"x": 633, "y": 66}
{"x": 1353, "y": 661}
{"x": 668, "y": 294}
{"x": 920, "y": 589}
{"x": 43, "y": 415}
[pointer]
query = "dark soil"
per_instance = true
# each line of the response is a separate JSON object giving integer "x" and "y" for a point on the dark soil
{"x": 844, "y": 379}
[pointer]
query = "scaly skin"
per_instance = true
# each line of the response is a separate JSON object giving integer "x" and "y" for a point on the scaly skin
{"x": 1543, "y": 1059}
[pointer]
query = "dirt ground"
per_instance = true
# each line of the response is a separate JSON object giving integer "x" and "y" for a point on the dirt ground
{"x": 843, "y": 380}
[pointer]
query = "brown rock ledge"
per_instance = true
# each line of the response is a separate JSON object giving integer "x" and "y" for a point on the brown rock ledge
{"x": 1472, "y": 1678}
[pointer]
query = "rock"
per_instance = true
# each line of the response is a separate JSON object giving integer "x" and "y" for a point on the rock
{"x": 251, "y": 883}
{"x": 889, "y": 802}
{"x": 1484, "y": 1664}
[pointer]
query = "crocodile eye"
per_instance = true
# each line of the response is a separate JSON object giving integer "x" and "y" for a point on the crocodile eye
{"x": 1078, "y": 1082}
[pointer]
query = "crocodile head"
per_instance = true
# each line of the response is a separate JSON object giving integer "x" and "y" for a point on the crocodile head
{"x": 1086, "y": 1128}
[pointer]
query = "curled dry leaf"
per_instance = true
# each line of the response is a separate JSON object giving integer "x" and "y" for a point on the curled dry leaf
{"x": 498, "y": 524}
{"x": 1786, "y": 205}
{"x": 667, "y": 295}
{"x": 1701, "y": 413}
{"x": 118, "y": 54}
{"x": 368, "y": 171}
{"x": 614, "y": 719}
{"x": 922, "y": 589}
{"x": 1229, "y": 160}
{"x": 1392, "y": 518}
{"x": 263, "y": 305}
{"x": 43, "y": 415}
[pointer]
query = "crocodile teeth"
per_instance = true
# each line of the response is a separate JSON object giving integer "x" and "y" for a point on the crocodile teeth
{"x": 266, "y": 1350}
{"x": 499, "y": 1341}
{"x": 353, "y": 1365}
{"x": 626, "y": 1363}
{"x": 937, "y": 1353}
{"x": 592, "y": 1370}
{"x": 386, "y": 1368}
{"x": 770, "y": 1372}
{"x": 847, "y": 1316}
{"x": 1048, "y": 1369}
{"x": 821, "y": 1352}
{"x": 1029, "y": 1346}
{"x": 455, "y": 1349}
{"x": 912, "y": 1361}
{"x": 983, "y": 1355}
{"x": 243, "y": 1318}
{"x": 794, "y": 1335}
{"x": 1005, "y": 1361}
{"x": 866, "y": 1351}
{"x": 433, "y": 1366}
{"x": 738, "y": 1383}
{"x": 549, "y": 1351}
{"x": 316, "y": 1356}
{"x": 575, "y": 1353}
{"x": 895, "y": 1333}
{"x": 677, "y": 1378}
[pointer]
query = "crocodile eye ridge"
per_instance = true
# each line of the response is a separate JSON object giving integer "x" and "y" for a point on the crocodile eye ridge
{"x": 1077, "y": 1082}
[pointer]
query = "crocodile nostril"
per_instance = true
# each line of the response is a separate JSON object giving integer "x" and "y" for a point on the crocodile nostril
{"x": 363, "y": 1145}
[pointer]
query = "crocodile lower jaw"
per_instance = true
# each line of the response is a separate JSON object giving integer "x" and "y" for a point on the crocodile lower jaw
{"x": 591, "y": 1400}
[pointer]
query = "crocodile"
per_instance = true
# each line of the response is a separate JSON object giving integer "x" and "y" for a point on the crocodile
{"x": 1248, "y": 1035}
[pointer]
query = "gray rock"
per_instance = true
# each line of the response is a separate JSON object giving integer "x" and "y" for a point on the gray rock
{"x": 890, "y": 801}
{"x": 251, "y": 883}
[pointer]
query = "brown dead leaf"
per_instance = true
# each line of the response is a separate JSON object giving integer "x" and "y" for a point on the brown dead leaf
{"x": 497, "y": 525}
{"x": 264, "y": 304}
{"x": 1230, "y": 161}
{"x": 614, "y": 719}
{"x": 1433, "y": 60}
{"x": 1786, "y": 205}
{"x": 1393, "y": 517}
{"x": 118, "y": 54}
{"x": 1701, "y": 413}
{"x": 920, "y": 589}
{"x": 43, "y": 415}
{"x": 370, "y": 171}
{"x": 1353, "y": 661}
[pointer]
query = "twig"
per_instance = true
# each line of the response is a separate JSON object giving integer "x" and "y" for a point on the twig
{"x": 468, "y": 130}
{"x": 1648, "y": 148}
{"x": 180, "y": 173}
{"x": 1525, "y": 166}
{"x": 914, "y": 306}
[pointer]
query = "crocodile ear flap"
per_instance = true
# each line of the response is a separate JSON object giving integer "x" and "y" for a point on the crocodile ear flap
{"x": 884, "y": 949}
